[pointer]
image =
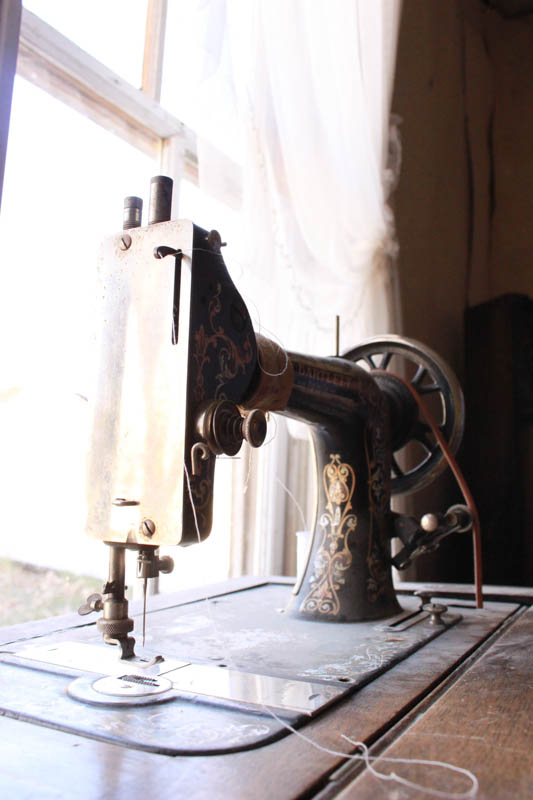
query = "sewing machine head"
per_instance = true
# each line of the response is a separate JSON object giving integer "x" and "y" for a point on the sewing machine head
{"x": 182, "y": 378}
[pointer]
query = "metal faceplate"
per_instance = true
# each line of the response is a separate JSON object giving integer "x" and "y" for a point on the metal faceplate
{"x": 232, "y": 671}
{"x": 135, "y": 468}
{"x": 115, "y": 680}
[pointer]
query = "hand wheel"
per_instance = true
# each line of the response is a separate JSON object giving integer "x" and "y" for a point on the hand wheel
{"x": 433, "y": 379}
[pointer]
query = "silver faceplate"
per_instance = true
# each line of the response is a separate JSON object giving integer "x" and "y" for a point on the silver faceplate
{"x": 138, "y": 401}
{"x": 216, "y": 682}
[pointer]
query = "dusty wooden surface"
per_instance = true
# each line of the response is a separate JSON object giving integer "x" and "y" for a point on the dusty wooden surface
{"x": 42, "y": 762}
{"x": 482, "y": 723}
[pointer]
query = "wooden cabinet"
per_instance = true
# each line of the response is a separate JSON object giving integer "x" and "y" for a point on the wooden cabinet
{"x": 498, "y": 447}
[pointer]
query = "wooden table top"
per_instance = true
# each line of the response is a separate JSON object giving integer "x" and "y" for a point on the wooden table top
{"x": 465, "y": 698}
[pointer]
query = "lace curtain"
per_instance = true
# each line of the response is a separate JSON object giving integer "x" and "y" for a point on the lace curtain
{"x": 309, "y": 83}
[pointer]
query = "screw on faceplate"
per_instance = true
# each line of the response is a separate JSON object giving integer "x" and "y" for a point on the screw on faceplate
{"x": 148, "y": 527}
{"x": 125, "y": 241}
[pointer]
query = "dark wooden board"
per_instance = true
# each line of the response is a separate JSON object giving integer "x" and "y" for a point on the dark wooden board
{"x": 482, "y": 723}
{"x": 510, "y": 594}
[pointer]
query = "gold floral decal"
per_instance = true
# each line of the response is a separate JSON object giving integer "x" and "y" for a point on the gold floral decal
{"x": 333, "y": 557}
{"x": 231, "y": 358}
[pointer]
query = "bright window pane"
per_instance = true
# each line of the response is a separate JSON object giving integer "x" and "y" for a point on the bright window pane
{"x": 64, "y": 184}
{"x": 196, "y": 86}
{"x": 110, "y": 30}
{"x": 65, "y": 181}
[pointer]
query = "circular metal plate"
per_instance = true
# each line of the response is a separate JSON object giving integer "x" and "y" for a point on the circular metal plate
{"x": 131, "y": 686}
{"x": 128, "y": 690}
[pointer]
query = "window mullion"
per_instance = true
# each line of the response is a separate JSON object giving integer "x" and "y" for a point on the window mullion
{"x": 154, "y": 46}
{"x": 172, "y": 163}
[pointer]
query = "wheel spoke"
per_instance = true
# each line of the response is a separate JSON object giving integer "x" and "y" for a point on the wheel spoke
{"x": 421, "y": 434}
{"x": 370, "y": 362}
{"x": 419, "y": 375}
{"x": 428, "y": 387}
{"x": 385, "y": 360}
{"x": 396, "y": 468}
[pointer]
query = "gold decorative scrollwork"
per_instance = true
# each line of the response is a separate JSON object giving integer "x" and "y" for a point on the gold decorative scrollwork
{"x": 231, "y": 358}
{"x": 333, "y": 557}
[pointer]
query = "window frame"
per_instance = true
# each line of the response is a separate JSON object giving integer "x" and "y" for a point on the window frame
{"x": 58, "y": 66}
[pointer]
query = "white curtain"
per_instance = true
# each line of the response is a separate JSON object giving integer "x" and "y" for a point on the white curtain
{"x": 310, "y": 83}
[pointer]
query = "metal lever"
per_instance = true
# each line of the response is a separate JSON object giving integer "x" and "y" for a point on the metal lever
{"x": 426, "y": 535}
{"x": 93, "y": 603}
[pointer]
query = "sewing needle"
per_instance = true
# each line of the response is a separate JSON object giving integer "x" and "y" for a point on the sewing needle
{"x": 145, "y": 582}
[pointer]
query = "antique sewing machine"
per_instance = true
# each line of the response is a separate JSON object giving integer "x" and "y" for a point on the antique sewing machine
{"x": 182, "y": 378}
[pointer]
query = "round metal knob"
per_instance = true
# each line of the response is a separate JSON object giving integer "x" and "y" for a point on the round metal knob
{"x": 429, "y": 523}
{"x": 435, "y": 611}
{"x": 214, "y": 241}
{"x": 462, "y": 516}
{"x": 223, "y": 428}
{"x": 165, "y": 564}
{"x": 254, "y": 428}
{"x": 424, "y": 597}
{"x": 226, "y": 429}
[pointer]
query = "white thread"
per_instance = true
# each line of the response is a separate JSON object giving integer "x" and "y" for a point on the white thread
{"x": 249, "y": 471}
{"x": 272, "y": 335}
{"x": 367, "y": 758}
{"x": 285, "y": 354}
{"x": 220, "y": 642}
{"x": 196, "y": 525}
{"x": 275, "y": 424}
{"x": 391, "y": 776}
{"x": 295, "y": 501}
{"x": 274, "y": 374}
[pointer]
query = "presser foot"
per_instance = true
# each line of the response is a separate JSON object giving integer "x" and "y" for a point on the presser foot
{"x": 127, "y": 646}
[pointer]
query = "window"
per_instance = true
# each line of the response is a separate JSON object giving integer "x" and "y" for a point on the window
{"x": 82, "y": 137}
